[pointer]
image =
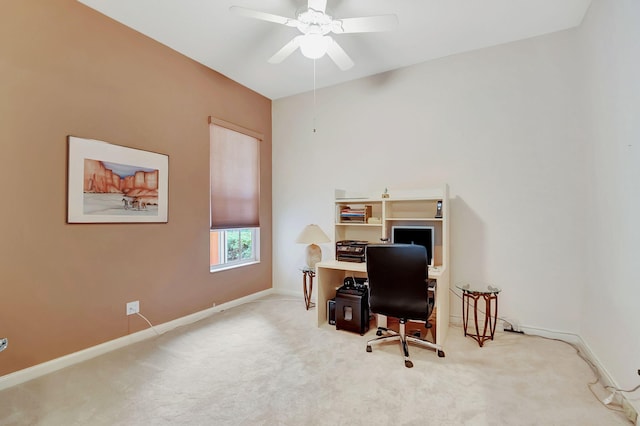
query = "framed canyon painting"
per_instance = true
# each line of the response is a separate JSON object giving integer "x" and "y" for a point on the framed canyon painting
{"x": 110, "y": 183}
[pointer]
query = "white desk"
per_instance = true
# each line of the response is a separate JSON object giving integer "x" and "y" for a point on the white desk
{"x": 331, "y": 274}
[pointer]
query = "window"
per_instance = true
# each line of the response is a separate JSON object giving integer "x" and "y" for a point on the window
{"x": 235, "y": 196}
{"x": 231, "y": 247}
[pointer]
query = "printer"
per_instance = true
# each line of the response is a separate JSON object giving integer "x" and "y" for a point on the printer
{"x": 351, "y": 250}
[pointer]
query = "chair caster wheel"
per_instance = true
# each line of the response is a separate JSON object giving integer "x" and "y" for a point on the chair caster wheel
{"x": 379, "y": 333}
{"x": 368, "y": 348}
{"x": 441, "y": 354}
{"x": 408, "y": 363}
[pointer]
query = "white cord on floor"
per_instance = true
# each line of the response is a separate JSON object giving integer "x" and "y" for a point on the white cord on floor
{"x": 148, "y": 322}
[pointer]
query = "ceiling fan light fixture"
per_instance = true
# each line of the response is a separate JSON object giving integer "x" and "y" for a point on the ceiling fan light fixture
{"x": 314, "y": 46}
{"x": 315, "y": 24}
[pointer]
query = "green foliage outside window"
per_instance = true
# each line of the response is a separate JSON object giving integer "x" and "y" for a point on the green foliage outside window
{"x": 239, "y": 245}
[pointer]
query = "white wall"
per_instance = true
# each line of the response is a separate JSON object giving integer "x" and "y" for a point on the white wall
{"x": 610, "y": 41}
{"x": 498, "y": 125}
{"x": 539, "y": 143}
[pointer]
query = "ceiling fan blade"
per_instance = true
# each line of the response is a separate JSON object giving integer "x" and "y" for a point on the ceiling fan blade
{"x": 256, "y": 14}
{"x": 368, "y": 24}
{"x": 319, "y": 5}
{"x": 286, "y": 50}
{"x": 338, "y": 55}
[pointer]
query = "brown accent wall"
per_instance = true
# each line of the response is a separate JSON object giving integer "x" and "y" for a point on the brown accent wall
{"x": 66, "y": 70}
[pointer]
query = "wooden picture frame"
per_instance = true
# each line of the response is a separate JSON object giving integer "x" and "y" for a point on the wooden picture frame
{"x": 109, "y": 183}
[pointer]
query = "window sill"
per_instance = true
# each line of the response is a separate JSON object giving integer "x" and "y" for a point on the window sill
{"x": 238, "y": 265}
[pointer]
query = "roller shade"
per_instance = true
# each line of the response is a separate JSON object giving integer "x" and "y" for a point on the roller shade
{"x": 235, "y": 179}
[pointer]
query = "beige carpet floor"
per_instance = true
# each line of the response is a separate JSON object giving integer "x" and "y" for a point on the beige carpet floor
{"x": 265, "y": 363}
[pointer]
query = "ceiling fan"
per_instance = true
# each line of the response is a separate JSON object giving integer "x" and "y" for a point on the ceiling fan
{"x": 315, "y": 24}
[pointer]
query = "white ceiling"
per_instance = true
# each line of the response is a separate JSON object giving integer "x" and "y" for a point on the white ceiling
{"x": 238, "y": 47}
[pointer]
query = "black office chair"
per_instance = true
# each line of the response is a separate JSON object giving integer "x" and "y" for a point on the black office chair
{"x": 397, "y": 275}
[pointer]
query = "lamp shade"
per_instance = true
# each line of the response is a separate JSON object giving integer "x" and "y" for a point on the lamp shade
{"x": 313, "y": 235}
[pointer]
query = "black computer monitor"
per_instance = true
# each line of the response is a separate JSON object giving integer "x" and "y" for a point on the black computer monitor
{"x": 421, "y": 235}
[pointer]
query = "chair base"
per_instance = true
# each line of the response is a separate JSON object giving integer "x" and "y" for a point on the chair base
{"x": 392, "y": 335}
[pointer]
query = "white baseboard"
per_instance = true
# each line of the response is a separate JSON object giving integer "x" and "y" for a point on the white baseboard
{"x": 288, "y": 292}
{"x": 38, "y": 370}
{"x": 455, "y": 320}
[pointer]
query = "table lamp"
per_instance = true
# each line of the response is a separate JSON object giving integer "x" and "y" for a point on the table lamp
{"x": 313, "y": 235}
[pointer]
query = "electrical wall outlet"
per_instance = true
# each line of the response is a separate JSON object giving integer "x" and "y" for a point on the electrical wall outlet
{"x": 133, "y": 307}
{"x": 629, "y": 411}
{"x": 4, "y": 342}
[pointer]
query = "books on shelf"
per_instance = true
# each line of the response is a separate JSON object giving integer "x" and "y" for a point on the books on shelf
{"x": 355, "y": 213}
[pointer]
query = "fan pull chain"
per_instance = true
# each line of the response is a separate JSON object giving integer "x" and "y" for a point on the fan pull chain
{"x": 314, "y": 96}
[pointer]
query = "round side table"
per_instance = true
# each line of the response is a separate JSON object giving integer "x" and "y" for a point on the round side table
{"x": 490, "y": 296}
{"x": 307, "y": 286}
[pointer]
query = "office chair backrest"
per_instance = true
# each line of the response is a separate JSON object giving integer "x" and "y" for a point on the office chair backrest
{"x": 397, "y": 276}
